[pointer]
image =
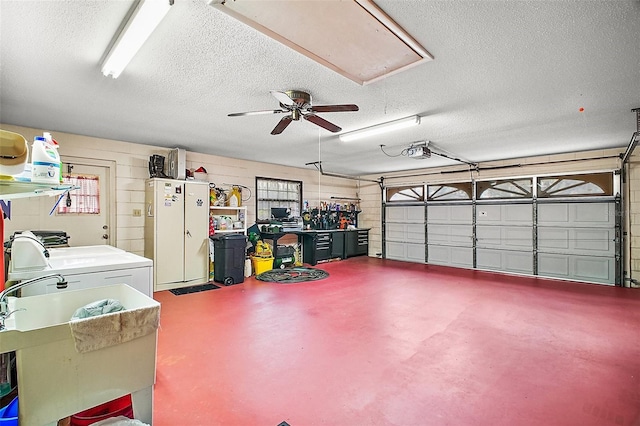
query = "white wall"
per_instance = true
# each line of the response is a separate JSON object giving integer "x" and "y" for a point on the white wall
{"x": 132, "y": 169}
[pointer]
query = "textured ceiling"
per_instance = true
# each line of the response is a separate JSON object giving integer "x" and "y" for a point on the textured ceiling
{"x": 507, "y": 80}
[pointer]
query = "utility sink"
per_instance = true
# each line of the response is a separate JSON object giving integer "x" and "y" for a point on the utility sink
{"x": 54, "y": 379}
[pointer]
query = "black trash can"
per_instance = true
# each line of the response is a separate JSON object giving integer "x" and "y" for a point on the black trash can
{"x": 228, "y": 258}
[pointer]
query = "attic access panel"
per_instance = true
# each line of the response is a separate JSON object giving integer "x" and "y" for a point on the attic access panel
{"x": 354, "y": 38}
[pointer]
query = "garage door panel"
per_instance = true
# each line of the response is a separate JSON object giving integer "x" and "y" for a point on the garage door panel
{"x": 553, "y": 265}
{"x": 595, "y": 240}
{"x": 500, "y": 237}
{"x": 582, "y": 241}
{"x": 405, "y": 232}
{"x": 408, "y": 252}
{"x": 576, "y": 215}
{"x": 450, "y": 256}
{"x": 505, "y": 260}
{"x": 551, "y": 214}
{"x": 505, "y": 214}
{"x": 553, "y": 239}
{"x": 414, "y": 233}
{"x": 395, "y": 231}
{"x": 395, "y": 250}
{"x": 458, "y": 214}
{"x": 415, "y": 252}
{"x": 405, "y": 214}
{"x": 575, "y": 267}
{"x": 450, "y": 235}
{"x": 599, "y": 269}
{"x": 601, "y": 213}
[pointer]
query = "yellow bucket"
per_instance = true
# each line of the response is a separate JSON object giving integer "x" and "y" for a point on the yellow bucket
{"x": 261, "y": 264}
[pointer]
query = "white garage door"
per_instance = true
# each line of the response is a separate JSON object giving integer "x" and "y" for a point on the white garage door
{"x": 405, "y": 233}
{"x": 577, "y": 241}
{"x": 565, "y": 226}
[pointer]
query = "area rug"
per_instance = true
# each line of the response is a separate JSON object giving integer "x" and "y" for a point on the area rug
{"x": 292, "y": 275}
{"x": 193, "y": 289}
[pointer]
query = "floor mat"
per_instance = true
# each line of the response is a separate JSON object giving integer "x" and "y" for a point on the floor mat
{"x": 292, "y": 275}
{"x": 193, "y": 289}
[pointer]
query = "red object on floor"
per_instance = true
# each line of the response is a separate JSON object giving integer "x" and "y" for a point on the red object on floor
{"x": 391, "y": 343}
{"x": 118, "y": 407}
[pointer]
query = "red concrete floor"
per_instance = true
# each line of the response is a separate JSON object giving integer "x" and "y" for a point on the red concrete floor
{"x": 390, "y": 343}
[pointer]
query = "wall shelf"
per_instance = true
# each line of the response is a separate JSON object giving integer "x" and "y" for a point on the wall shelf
{"x": 236, "y": 214}
{"x": 11, "y": 189}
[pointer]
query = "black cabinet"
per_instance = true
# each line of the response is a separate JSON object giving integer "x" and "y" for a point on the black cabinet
{"x": 319, "y": 246}
{"x": 325, "y": 245}
{"x": 356, "y": 242}
{"x": 337, "y": 245}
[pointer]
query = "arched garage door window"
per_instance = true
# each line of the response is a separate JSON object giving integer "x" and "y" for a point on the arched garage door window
{"x": 583, "y": 185}
{"x": 405, "y": 193}
{"x": 454, "y": 191}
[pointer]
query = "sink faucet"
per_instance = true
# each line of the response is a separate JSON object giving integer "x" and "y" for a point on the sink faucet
{"x": 62, "y": 283}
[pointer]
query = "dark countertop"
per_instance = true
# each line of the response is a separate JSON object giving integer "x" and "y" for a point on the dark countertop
{"x": 309, "y": 232}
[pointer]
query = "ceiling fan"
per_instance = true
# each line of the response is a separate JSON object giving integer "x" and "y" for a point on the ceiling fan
{"x": 298, "y": 104}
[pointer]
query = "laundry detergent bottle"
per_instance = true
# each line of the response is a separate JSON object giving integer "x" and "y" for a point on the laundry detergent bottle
{"x": 45, "y": 162}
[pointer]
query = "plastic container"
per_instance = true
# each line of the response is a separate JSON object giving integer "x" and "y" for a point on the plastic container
{"x": 261, "y": 264}
{"x": 118, "y": 407}
{"x": 45, "y": 162}
{"x": 52, "y": 142}
{"x": 235, "y": 197}
{"x": 9, "y": 414}
{"x": 247, "y": 267}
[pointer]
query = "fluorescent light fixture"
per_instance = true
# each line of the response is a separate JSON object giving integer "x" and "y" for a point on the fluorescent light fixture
{"x": 144, "y": 19}
{"x": 381, "y": 128}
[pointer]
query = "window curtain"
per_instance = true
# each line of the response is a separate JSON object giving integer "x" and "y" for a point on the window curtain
{"x": 85, "y": 199}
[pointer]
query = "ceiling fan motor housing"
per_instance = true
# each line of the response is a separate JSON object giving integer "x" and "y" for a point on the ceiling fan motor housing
{"x": 301, "y": 99}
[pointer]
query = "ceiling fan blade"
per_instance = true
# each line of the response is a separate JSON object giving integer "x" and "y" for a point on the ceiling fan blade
{"x": 268, "y": 111}
{"x": 282, "y": 124}
{"x": 334, "y": 108}
{"x": 322, "y": 122}
{"x": 283, "y": 98}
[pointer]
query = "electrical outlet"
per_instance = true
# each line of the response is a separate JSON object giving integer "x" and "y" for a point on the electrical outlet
{"x": 137, "y": 212}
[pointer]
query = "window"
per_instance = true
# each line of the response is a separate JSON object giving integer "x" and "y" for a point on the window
{"x": 85, "y": 199}
{"x": 405, "y": 193}
{"x": 277, "y": 193}
{"x": 454, "y": 191}
{"x": 506, "y": 188}
{"x": 575, "y": 185}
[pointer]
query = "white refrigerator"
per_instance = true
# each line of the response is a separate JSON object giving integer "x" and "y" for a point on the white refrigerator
{"x": 177, "y": 232}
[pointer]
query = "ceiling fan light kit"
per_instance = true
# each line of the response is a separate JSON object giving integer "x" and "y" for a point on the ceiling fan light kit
{"x": 142, "y": 22}
{"x": 379, "y": 129}
{"x": 298, "y": 104}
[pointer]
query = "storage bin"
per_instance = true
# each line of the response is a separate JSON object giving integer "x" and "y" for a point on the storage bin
{"x": 9, "y": 413}
{"x": 122, "y": 406}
